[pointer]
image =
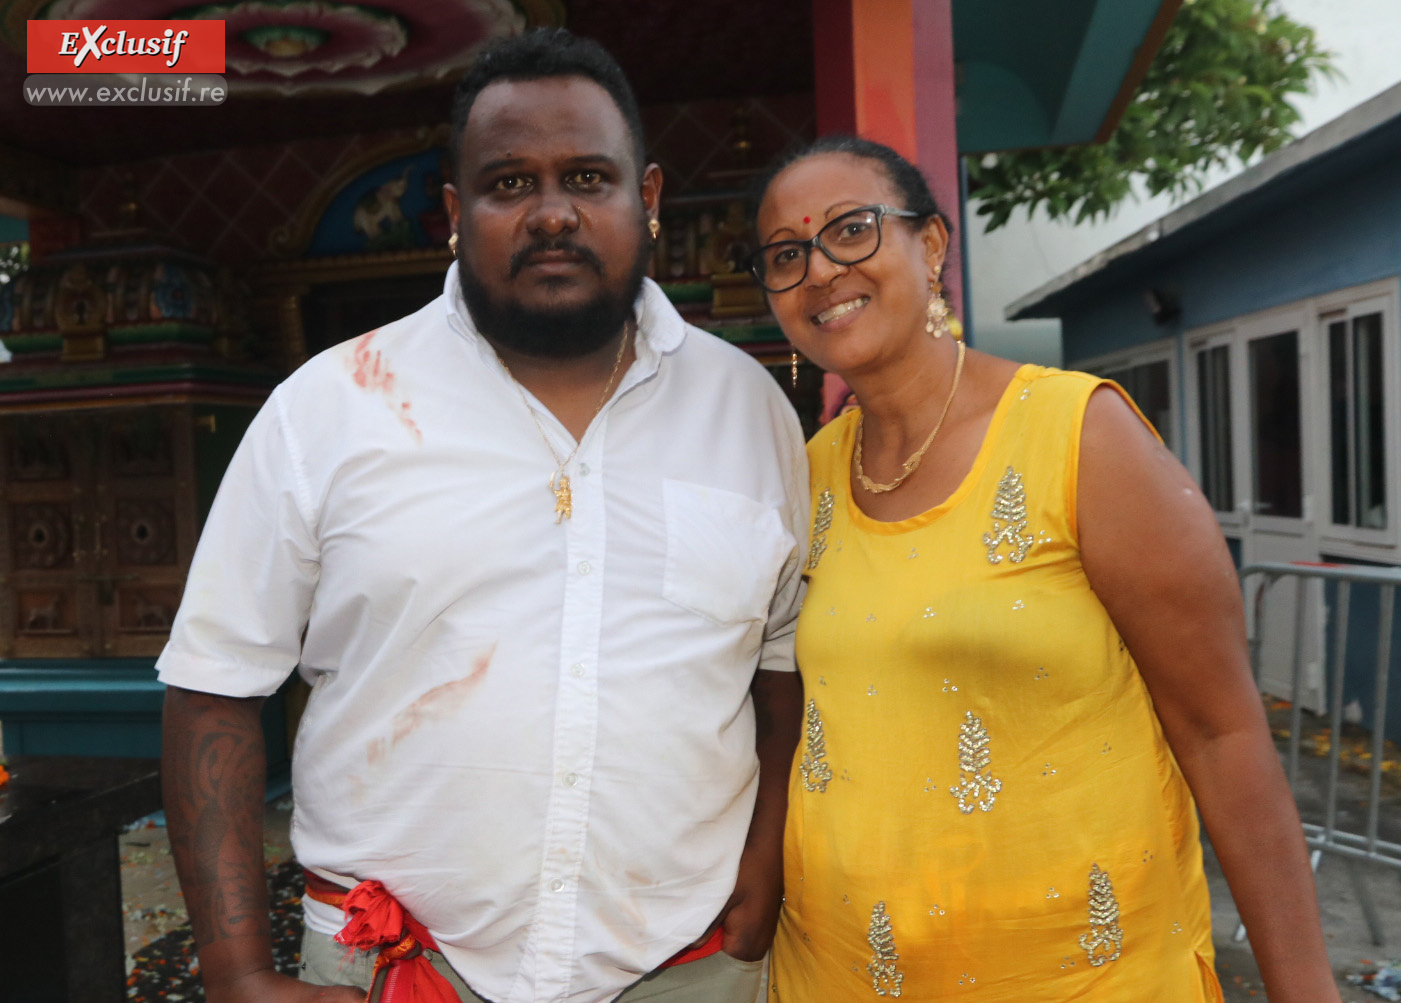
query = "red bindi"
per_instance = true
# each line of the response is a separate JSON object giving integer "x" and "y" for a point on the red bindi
{"x": 807, "y": 219}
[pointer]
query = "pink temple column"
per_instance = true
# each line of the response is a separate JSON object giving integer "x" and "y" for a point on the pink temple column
{"x": 884, "y": 70}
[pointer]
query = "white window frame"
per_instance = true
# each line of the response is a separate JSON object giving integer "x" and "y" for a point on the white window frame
{"x": 1163, "y": 350}
{"x": 1194, "y": 341}
{"x": 1355, "y": 541}
{"x": 1310, "y": 317}
{"x": 1293, "y": 318}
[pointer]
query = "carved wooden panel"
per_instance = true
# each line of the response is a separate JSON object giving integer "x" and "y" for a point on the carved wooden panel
{"x": 45, "y": 522}
{"x": 145, "y": 510}
{"x": 139, "y": 443}
{"x": 41, "y": 534}
{"x": 97, "y": 527}
{"x": 147, "y": 609}
{"x": 144, "y": 531}
{"x": 37, "y": 449}
{"x": 46, "y": 613}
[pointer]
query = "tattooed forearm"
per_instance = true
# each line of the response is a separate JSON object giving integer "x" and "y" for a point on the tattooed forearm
{"x": 213, "y": 775}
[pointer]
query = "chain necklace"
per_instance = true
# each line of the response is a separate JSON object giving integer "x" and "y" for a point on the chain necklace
{"x": 559, "y": 480}
{"x": 912, "y": 464}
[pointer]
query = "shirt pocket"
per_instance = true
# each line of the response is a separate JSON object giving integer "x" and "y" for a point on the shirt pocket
{"x": 724, "y": 552}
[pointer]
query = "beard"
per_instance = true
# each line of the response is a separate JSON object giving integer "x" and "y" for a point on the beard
{"x": 564, "y": 332}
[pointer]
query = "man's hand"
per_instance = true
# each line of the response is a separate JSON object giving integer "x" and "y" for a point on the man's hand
{"x": 270, "y": 987}
{"x": 751, "y": 915}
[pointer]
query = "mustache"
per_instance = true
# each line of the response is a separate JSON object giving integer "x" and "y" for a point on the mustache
{"x": 521, "y": 257}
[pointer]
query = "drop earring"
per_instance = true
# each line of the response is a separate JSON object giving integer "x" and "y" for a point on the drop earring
{"x": 452, "y": 244}
{"x": 936, "y": 315}
{"x": 654, "y": 228}
{"x": 793, "y": 368}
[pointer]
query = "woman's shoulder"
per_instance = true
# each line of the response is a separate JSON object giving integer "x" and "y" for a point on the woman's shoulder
{"x": 1041, "y": 413}
{"x": 831, "y": 446}
{"x": 1056, "y": 389}
{"x": 1070, "y": 380}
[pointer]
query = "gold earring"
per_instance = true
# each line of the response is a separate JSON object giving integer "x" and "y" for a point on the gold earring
{"x": 452, "y": 244}
{"x": 936, "y": 316}
{"x": 793, "y": 368}
{"x": 654, "y": 228}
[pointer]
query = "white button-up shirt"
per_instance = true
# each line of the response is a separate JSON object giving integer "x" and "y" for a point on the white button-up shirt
{"x": 539, "y": 737}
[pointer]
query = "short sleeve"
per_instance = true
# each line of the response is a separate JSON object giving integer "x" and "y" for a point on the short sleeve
{"x": 777, "y": 653}
{"x": 239, "y": 628}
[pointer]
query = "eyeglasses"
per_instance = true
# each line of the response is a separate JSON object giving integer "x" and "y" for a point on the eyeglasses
{"x": 850, "y": 238}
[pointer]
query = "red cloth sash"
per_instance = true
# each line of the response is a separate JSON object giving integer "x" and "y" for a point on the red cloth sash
{"x": 704, "y": 950}
{"x": 375, "y": 919}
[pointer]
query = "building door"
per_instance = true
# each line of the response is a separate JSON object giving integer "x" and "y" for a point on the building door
{"x": 1250, "y": 457}
{"x": 97, "y": 527}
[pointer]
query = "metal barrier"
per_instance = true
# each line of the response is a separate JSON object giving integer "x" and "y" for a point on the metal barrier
{"x": 1329, "y": 838}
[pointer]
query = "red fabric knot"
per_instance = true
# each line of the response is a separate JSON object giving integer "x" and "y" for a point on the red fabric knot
{"x": 373, "y": 917}
{"x": 376, "y": 920}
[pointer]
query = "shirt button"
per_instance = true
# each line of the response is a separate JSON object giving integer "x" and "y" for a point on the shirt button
{"x": 585, "y": 567}
{"x": 583, "y": 470}
{"x": 578, "y": 669}
{"x": 571, "y": 779}
{"x": 556, "y": 885}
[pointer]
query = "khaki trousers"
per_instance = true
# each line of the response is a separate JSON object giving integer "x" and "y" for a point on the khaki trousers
{"x": 716, "y": 979}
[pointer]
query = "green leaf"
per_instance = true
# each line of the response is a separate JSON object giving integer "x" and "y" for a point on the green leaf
{"x": 1219, "y": 90}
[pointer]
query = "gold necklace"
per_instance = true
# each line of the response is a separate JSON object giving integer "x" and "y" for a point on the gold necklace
{"x": 559, "y": 480}
{"x": 912, "y": 464}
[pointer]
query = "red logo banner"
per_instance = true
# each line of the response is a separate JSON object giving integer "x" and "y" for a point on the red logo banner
{"x": 126, "y": 47}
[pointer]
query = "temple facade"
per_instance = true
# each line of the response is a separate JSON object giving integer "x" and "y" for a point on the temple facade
{"x": 162, "y": 268}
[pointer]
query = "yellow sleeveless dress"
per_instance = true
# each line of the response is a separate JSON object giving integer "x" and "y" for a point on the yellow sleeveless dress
{"x": 983, "y": 804}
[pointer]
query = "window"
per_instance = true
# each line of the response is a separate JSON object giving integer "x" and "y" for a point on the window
{"x": 1357, "y": 421}
{"x": 1276, "y": 441}
{"x": 1150, "y": 386}
{"x": 1291, "y": 412}
{"x": 1148, "y": 374}
{"x": 1214, "y": 427}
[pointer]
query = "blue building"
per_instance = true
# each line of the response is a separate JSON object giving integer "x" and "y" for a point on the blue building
{"x": 1257, "y": 326}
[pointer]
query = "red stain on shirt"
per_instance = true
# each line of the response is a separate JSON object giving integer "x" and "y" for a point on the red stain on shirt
{"x": 408, "y": 422}
{"x": 370, "y": 371}
{"x": 440, "y": 703}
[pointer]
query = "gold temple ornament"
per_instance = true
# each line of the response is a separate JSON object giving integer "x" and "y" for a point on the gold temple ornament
{"x": 977, "y": 787}
{"x": 1009, "y": 521}
{"x": 1105, "y": 940}
{"x": 815, "y": 771}
{"x": 886, "y": 977}
{"x": 564, "y": 498}
{"x": 559, "y": 480}
{"x": 821, "y": 523}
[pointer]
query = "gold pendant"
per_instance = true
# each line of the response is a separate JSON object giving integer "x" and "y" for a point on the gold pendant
{"x": 564, "y": 500}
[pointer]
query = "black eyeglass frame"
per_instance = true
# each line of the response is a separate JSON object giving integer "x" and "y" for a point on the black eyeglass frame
{"x": 879, "y": 208}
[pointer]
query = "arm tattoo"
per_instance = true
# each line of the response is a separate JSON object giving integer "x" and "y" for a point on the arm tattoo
{"x": 214, "y": 768}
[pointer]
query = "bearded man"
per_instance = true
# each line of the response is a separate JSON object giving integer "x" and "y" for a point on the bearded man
{"x": 537, "y": 549}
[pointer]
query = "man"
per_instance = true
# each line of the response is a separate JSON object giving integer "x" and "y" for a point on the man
{"x": 530, "y": 546}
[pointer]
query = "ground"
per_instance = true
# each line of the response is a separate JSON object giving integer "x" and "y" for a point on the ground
{"x": 1350, "y": 946}
{"x": 160, "y": 948}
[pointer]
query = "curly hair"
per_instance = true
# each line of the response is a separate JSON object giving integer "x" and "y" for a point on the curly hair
{"x": 541, "y": 54}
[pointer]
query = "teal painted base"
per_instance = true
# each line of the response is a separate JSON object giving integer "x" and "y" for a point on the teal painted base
{"x": 99, "y": 708}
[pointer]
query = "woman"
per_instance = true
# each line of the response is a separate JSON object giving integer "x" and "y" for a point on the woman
{"x": 1023, "y": 655}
